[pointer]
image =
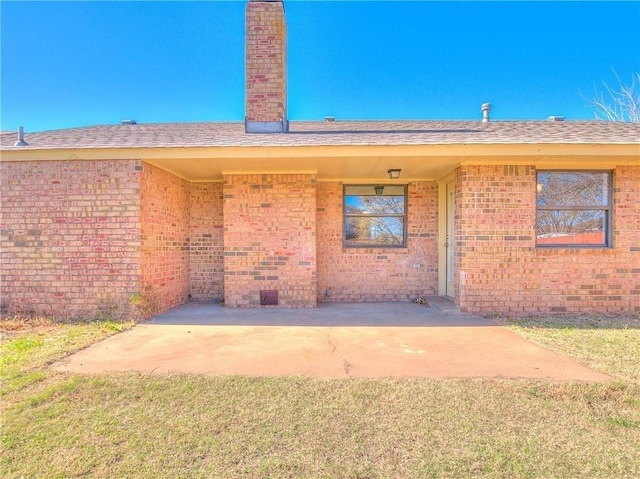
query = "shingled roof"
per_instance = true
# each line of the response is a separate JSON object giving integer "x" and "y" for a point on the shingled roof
{"x": 324, "y": 133}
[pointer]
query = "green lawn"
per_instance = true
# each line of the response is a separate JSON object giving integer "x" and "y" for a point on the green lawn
{"x": 132, "y": 425}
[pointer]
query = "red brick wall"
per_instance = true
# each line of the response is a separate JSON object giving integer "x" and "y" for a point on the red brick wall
{"x": 165, "y": 240}
{"x": 70, "y": 238}
{"x": 378, "y": 274}
{"x": 84, "y": 239}
{"x": 265, "y": 61}
{"x": 500, "y": 270}
{"x": 207, "y": 266}
{"x": 270, "y": 239}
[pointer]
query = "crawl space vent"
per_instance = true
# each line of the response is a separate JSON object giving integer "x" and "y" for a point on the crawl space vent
{"x": 268, "y": 297}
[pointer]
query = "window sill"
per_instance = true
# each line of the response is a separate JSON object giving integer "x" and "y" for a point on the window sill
{"x": 575, "y": 250}
{"x": 572, "y": 246}
{"x": 375, "y": 249}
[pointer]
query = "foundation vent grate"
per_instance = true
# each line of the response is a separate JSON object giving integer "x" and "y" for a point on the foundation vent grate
{"x": 268, "y": 297}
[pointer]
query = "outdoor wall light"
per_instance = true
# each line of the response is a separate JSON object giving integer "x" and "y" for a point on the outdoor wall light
{"x": 378, "y": 189}
{"x": 394, "y": 174}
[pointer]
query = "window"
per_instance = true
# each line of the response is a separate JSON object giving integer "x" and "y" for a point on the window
{"x": 375, "y": 215}
{"x": 573, "y": 208}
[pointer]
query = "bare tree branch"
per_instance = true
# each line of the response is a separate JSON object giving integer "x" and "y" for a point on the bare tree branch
{"x": 620, "y": 103}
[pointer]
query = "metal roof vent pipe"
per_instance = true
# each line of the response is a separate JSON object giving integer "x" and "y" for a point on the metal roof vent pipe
{"x": 21, "y": 141}
{"x": 486, "y": 108}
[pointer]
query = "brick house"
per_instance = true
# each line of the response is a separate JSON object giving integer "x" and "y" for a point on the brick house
{"x": 518, "y": 218}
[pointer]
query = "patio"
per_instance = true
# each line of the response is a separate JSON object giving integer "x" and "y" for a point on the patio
{"x": 336, "y": 340}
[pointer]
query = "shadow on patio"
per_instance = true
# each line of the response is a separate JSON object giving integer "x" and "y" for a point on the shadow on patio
{"x": 439, "y": 313}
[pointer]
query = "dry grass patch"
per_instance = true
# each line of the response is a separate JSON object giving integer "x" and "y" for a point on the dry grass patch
{"x": 16, "y": 326}
{"x": 605, "y": 342}
{"x": 131, "y": 425}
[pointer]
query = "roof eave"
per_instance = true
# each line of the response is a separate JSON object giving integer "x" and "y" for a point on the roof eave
{"x": 302, "y": 151}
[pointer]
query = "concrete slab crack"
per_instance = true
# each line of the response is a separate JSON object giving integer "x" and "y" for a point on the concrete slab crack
{"x": 333, "y": 346}
{"x": 346, "y": 365}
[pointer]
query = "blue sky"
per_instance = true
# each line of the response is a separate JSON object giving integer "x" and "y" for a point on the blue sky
{"x": 67, "y": 64}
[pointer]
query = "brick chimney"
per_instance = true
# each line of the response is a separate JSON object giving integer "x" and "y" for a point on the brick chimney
{"x": 266, "y": 67}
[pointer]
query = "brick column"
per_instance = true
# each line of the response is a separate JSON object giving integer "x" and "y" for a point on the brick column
{"x": 270, "y": 239}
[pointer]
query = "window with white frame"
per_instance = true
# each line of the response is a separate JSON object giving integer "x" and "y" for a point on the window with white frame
{"x": 375, "y": 215}
{"x": 573, "y": 208}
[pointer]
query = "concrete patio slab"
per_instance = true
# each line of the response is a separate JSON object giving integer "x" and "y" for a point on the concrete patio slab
{"x": 354, "y": 340}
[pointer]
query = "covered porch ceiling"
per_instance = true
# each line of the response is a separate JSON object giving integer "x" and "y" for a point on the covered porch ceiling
{"x": 372, "y": 164}
{"x": 368, "y": 168}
